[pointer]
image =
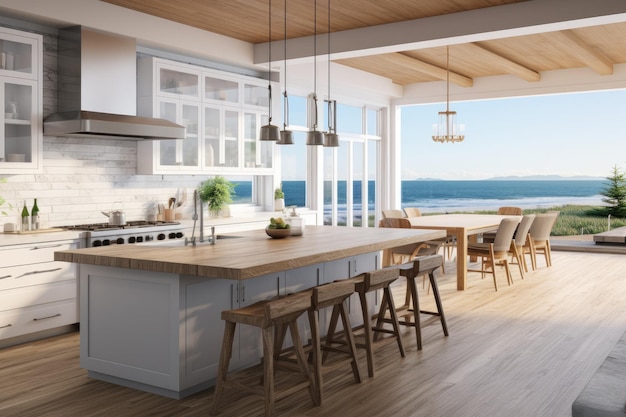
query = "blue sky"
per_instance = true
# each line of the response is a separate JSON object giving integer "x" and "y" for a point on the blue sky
{"x": 568, "y": 135}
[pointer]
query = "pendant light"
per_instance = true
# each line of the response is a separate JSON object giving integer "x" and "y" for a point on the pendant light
{"x": 314, "y": 137}
{"x": 286, "y": 136}
{"x": 447, "y": 128}
{"x": 269, "y": 131}
{"x": 331, "y": 139}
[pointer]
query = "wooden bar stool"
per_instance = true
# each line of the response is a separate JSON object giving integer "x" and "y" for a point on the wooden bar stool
{"x": 412, "y": 270}
{"x": 266, "y": 315}
{"x": 331, "y": 295}
{"x": 364, "y": 284}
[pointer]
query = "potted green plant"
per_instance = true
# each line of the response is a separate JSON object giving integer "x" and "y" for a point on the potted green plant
{"x": 279, "y": 199}
{"x": 217, "y": 192}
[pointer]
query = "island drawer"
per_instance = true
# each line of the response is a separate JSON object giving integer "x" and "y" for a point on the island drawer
{"x": 34, "y": 319}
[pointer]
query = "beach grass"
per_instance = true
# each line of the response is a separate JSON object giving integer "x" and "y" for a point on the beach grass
{"x": 576, "y": 220}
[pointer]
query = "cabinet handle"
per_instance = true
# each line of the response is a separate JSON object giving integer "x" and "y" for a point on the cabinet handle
{"x": 243, "y": 293}
{"x": 48, "y": 317}
{"x": 5, "y": 326}
{"x": 38, "y": 272}
{"x": 47, "y": 246}
{"x": 6, "y": 276}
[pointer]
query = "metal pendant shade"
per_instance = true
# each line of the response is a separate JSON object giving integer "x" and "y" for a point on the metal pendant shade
{"x": 270, "y": 132}
{"x": 286, "y": 137}
{"x": 331, "y": 140}
{"x": 315, "y": 138}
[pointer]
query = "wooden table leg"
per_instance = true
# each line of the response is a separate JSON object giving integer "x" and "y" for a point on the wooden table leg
{"x": 461, "y": 259}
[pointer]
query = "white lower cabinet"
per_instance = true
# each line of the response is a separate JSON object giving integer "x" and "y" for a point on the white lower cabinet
{"x": 36, "y": 293}
{"x": 162, "y": 332}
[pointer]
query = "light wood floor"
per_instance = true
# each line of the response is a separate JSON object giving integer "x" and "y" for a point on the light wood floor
{"x": 527, "y": 350}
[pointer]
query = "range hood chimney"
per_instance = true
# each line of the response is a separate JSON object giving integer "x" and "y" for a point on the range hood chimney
{"x": 97, "y": 90}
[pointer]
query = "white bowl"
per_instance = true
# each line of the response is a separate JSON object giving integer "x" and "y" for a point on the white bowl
{"x": 277, "y": 233}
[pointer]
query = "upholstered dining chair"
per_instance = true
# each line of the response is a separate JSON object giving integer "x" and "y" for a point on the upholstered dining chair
{"x": 495, "y": 253}
{"x": 412, "y": 212}
{"x": 393, "y": 214}
{"x": 519, "y": 240}
{"x": 502, "y": 211}
{"x": 406, "y": 253}
{"x": 539, "y": 240}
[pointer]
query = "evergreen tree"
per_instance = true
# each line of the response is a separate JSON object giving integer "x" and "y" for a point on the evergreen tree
{"x": 615, "y": 193}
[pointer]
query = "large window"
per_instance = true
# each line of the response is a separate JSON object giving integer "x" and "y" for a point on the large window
{"x": 349, "y": 172}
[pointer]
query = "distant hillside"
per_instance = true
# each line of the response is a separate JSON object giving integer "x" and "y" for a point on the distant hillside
{"x": 546, "y": 178}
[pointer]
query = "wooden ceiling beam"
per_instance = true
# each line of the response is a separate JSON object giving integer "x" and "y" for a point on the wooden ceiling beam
{"x": 591, "y": 57}
{"x": 506, "y": 64}
{"x": 429, "y": 69}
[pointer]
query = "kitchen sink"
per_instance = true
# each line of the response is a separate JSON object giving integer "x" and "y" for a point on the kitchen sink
{"x": 181, "y": 242}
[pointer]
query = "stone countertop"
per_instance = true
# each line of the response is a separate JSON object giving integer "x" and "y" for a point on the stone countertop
{"x": 252, "y": 253}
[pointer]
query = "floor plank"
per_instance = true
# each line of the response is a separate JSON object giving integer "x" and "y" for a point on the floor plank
{"x": 526, "y": 350}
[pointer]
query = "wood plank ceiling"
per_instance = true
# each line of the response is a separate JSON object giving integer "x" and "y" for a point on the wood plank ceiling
{"x": 596, "y": 47}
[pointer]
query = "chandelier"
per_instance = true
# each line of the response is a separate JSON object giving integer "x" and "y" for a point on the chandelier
{"x": 447, "y": 129}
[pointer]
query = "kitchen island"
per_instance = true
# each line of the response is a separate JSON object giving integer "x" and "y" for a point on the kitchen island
{"x": 150, "y": 315}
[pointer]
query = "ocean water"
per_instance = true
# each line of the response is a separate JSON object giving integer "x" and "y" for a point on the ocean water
{"x": 447, "y": 196}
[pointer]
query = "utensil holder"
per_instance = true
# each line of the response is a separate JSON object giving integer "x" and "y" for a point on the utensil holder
{"x": 169, "y": 215}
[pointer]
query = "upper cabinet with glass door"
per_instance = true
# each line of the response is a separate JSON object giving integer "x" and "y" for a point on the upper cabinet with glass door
{"x": 221, "y": 111}
{"x": 20, "y": 98}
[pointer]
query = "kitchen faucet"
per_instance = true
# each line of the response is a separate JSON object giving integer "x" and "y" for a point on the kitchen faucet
{"x": 192, "y": 241}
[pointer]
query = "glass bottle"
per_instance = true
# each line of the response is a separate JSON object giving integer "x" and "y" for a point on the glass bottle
{"x": 25, "y": 219}
{"x": 34, "y": 213}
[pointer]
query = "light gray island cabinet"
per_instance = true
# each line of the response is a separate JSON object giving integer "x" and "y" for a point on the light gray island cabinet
{"x": 150, "y": 317}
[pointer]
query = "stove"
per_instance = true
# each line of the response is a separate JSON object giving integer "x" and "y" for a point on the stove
{"x": 134, "y": 232}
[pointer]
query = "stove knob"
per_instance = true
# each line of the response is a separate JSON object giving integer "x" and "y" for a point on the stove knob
{"x": 120, "y": 240}
{"x": 139, "y": 239}
{"x": 106, "y": 242}
{"x": 179, "y": 235}
{"x": 96, "y": 243}
{"x": 149, "y": 238}
{"x": 161, "y": 236}
{"x": 172, "y": 235}
{"x": 131, "y": 239}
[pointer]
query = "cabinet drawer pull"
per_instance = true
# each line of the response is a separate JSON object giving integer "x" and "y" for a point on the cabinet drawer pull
{"x": 38, "y": 272}
{"x": 5, "y": 326}
{"x": 48, "y": 317}
{"x": 46, "y": 246}
{"x": 5, "y": 276}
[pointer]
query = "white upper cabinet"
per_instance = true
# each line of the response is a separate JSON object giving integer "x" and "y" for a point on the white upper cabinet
{"x": 222, "y": 113}
{"x": 21, "y": 100}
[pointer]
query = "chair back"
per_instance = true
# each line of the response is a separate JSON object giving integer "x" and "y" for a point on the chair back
{"x": 293, "y": 304}
{"x": 332, "y": 293}
{"x": 412, "y": 212}
{"x": 504, "y": 235}
{"x": 396, "y": 222}
{"x": 393, "y": 214}
{"x": 542, "y": 226}
{"x": 379, "y": 278}
{"x": 522, "y": 230}
{"x": 509, "y": 211}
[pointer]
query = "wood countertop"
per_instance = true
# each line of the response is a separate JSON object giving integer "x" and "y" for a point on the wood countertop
{"x": 251, "y": 253}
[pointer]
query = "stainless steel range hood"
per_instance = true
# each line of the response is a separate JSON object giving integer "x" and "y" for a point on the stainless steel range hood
{"x": 97, "y": 90}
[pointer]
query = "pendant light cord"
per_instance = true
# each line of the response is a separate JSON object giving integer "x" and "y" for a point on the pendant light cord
{"x": 315, "y": 63}
{"x": 269, "y": 65}
{"x": 286, "y": 100}
{"x": 330, "y": 124}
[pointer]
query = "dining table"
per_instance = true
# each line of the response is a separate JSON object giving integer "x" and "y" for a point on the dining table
{"x": 464, "y": 228}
